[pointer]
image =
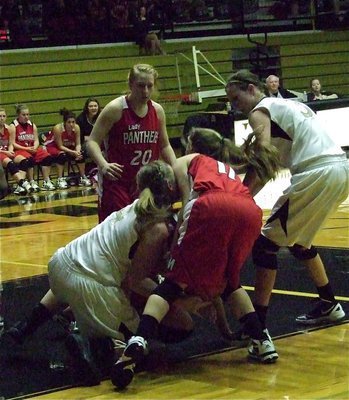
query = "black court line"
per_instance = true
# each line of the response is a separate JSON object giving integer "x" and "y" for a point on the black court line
{"x": 29, "y": 369}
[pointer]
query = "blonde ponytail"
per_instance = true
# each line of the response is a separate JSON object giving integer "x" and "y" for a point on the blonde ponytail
{"x": 148, "y": 212}
{"x": 154, "y": 181}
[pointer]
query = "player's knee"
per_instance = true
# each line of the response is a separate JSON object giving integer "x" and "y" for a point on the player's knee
{"x": 12, "y": 168}
{"x": 168, "y": 290}
{"x": 47, "y": 161}
{"x": 30, "y": 162}
{"x": 264, "y": 253}
{"x": 25, "y": 164}
{"x": 302, "y": 253}
{"x": 61, "y": 159}
{"x": 228, "y": 291}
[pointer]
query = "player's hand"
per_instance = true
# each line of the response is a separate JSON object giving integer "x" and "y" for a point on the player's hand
{"x": 31, "y": 150}
{"x": 113, "y": 171}
{"x": 79, "y": 156}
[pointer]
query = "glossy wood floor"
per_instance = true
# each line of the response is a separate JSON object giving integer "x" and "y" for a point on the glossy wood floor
{"x": 312, "y": 365}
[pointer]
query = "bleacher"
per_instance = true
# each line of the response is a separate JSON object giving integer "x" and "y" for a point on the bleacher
{"x": 47, "y": 79}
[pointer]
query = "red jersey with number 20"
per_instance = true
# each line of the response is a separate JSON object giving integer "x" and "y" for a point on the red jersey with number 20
{"x": 133, "y": 141}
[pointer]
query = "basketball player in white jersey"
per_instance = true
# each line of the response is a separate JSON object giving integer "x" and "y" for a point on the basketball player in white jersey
{"x": 319, "y": 184}
{"x": 96, "y": 271}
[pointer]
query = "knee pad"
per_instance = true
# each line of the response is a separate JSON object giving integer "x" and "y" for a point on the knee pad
{"x": 12, "y": 168}
{"x": 228, "y": 291}
{"x": 302, "y": 253}
{"x": 61, "y": 159}
{"x": 25, "y": 164}
{"x": 168, "y": 290}
{"x": 264, "y": 253}
{"x": 47, "y": 161}
{"x": 30, "y": 162}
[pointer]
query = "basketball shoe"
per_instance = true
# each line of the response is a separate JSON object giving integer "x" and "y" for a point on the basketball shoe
{"x": 324, "y": 312}
{"x": 263, "y": 350}
{"x": 123, "y": 370}
{"x": 35, "y": 186}
{"x": 19, "y": 190}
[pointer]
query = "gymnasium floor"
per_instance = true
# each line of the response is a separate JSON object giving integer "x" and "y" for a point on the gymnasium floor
{"x": 33, "y": 227}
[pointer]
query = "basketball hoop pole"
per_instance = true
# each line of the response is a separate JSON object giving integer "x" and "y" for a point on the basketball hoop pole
{"x": 199, "y": 95}
{"x": 196, "y": 68}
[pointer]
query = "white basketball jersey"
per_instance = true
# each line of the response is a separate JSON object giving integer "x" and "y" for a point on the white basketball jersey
{"x": 103, "y": 252}
{"x": 297, "y": 132}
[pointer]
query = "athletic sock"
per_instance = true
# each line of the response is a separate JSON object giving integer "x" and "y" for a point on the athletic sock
{"x": 148, "y": 327}
{"x": 262, "y": 313}
{"x": 252, "y": 326}
{"x": 326, "y": 293}
{"x": 125, "y": 331}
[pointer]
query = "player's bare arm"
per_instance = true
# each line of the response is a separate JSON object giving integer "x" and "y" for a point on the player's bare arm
{"x": 150, "y": 250}
{"x": 167, "y": 153}
{"x": 57, "y": 133}
{"x": 259, "y": 121}
{"x": 108, "y": 117}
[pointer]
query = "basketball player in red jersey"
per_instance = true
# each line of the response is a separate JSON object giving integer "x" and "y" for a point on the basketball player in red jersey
{"x": 25, "y": 141}
{"x": 65, "y": 146}
{"x": 132, "y": 131}
{"x": 208, "y": 265}
{"x": 7, "y": 155}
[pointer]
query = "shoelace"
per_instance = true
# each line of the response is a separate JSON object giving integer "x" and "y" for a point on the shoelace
{"x": 118, "y": 344}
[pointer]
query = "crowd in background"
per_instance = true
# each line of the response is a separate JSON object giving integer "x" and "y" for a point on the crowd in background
{"x": 64, "y": 22}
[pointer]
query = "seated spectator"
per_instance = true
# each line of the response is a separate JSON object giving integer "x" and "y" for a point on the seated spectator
{"x": 7, "y": 155}
{"x": 18, "y": 17}
{"x": 146, "y": 39}
{"x": 275, "y": 90}
{"x": 61, "y": 23}
{"x": 87, "y": 118}
{"x": 65, "y": 146}
{"x": 119, "y": 20}
{"x": 199, "y": 10}
{"x": 317, "y": 94}
{"x": 28, "y": 152}
{"x": 182, "y": 10}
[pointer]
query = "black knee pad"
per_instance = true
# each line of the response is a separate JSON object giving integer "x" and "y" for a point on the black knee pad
{"x": 228, "y": 291}
{"x": 30, "y": 162}
{"x": 264, "y": 253}
{"x": 302, "y": 253}
{"x": 47, "y": 161}
{"x": 26, "y": 163}
{"x": 61, "y": 159}
{"x": 12, "y": 168}
{"x": 168, "y": 290}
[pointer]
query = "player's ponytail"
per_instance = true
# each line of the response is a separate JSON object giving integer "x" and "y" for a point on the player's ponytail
{"x": 211, "y": 143}
{"x": 154, "y": 182}
{"x": 262, "y": 157}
